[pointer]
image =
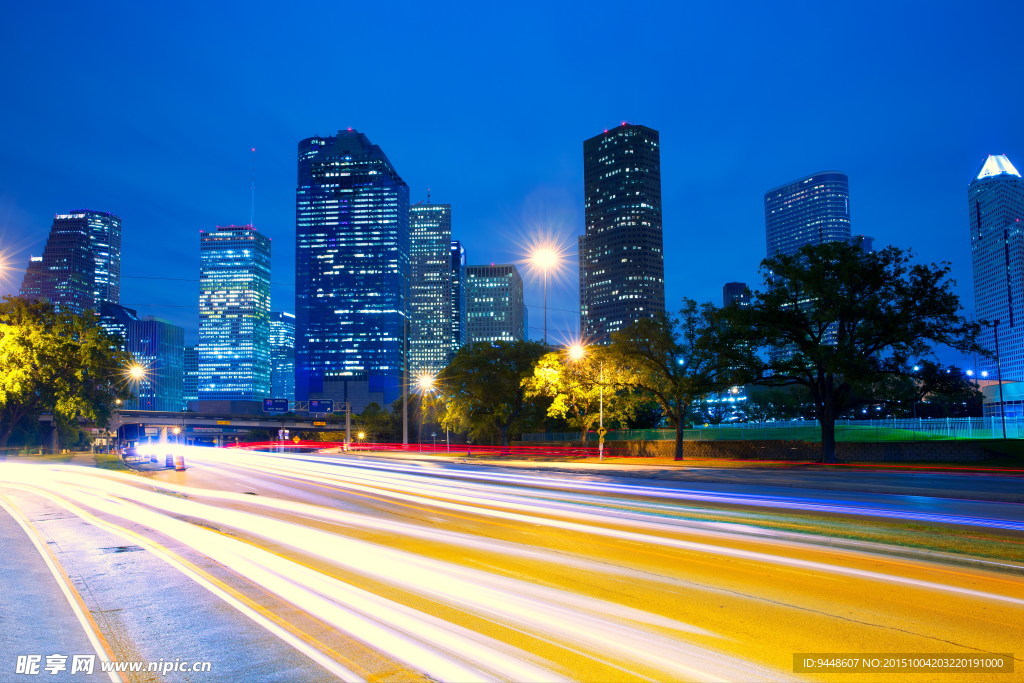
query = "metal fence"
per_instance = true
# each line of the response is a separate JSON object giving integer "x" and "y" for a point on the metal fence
{"x": 916, "y": 429}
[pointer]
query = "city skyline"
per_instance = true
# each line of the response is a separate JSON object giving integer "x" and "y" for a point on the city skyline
{"x": 882, "y": 118}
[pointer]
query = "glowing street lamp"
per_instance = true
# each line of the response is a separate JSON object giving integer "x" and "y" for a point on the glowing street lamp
{"x": 547, "y": 259}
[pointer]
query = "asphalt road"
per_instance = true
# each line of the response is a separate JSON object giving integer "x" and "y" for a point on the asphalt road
{"x": 312, "y": 568}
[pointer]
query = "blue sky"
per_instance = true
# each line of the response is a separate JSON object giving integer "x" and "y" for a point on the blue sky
{"x": 150, "y": 110}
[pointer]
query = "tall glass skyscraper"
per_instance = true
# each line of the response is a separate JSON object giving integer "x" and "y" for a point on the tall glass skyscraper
{"x": 352, "y": 271}
{"x": 458, "y": 263}
{"x": 811, "y": 210}
{"x": 494, "y": 304}
{"x": 234, "y": 314}
{"x": 430, "y": 287}
{"x": 282, "y": 355}
{"x": 995, "y": 201}
{"x": 159, "y": 347}
{"x": 622, "y": 270}
{"x": 81, "y": 264}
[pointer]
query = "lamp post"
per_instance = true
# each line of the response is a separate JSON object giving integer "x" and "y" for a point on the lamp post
{"x": 999, "y": 378}
{"x": 426, "y": 384}
{"x": 577, "y": 352}
{"x": 545, "y": 258}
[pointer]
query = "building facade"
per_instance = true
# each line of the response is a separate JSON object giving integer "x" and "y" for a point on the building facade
{"x": 996, "y": 208}
{"x": 430, "y": 288}
{"x": 282, "y": 355}
{"x": 81, "y": 264}
{"x": 494, "y": 304}
{"x": 352, "y": 271}
{"x": 458, "y": 265}
{"x": 234, "y": 314}
{"x": 622, "y": 269}
{"x": 190, "y": 381}
{"x": 811, "y": 210}
{"x": 735, "y": 293}
{"x": 159, "y": 347}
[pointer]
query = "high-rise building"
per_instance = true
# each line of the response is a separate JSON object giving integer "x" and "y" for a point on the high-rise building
{"x": 159, "y": 347}
{"x": 352, "y": 271}
{"x": 190, "y": 383}
{"x": 996, "y": 207}
{"x": 282, "y": 355}
{"x": 811, "y": 210}
{"x": 234, "y": 314}
{"x": 735, "y": 293}
{"x": 430, "y": 288}
{"x": 494, "y": 304}
{"x": 622, "y": 270}
{"x": 458, "y": 263}
{"x": 81, "y": 264}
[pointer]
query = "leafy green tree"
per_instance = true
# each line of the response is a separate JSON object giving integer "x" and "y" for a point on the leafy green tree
{"x": 774, "y": 403}
{"x": 482, "y": 391}
{"x": 577, "y": 388}
{"x": 931, "y": 390}
{"x": 56, "y": 362}
{"x": 380, "y": 425}
{"x": 674, "y": 359}
{"x": 837, "y": 320}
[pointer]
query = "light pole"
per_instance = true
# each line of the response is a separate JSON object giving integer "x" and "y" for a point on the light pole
{"x": 999, "y": 378}
{"x": 577, "y": 352}
{"x": 545, "y": 258}
{"x": 426, "y": 384}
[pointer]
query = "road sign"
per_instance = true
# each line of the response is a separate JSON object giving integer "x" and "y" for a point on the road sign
{"x": 602, "y": 431}
{"x": 321, "y": 406}
{"x": 223, "y": 422}
{"x": 275, "y": 405}
{"x": 296, "y": 439}
{"x": 319, "y": 424}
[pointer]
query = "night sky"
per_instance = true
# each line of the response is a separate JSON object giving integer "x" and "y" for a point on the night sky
{"x": 149, "y": 111}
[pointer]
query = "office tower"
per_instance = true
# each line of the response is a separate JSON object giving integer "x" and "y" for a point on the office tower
{"x": 430, "y": 287}
{"x": 494, "y": 304}
{"x": 234, "y": 314}
{"x": 352, "y": 271}
{"x": 458, "y": 263}
{"x": 190, "y": 384}
{"x": 811, "y": 210}
{"x": 622, "y": 271}
{"x": 996, "y": 207}
{"x": 81, "y": 264}
{"x": 159, "y": 347}
{"x": 735, "y": 293}
{"x": 282, "y": 355}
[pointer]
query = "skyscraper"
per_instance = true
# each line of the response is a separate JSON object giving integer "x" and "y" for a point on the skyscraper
{"x": 735, "y": 293}
{"x": 494, "y": 304}
{"x": 158, "y": 346}
{"x": 996, "y": 207}
{"x": 81, "y": 264}
{"x": 282, "y": 355}
{"x": 234, "y": 314}
{"x": 190, "y": 383}
{"x": 430, "y": 287}
{"x": 458, "y": 262}
{"x": 811, "y": 210}
{"x": 352, "y": 271}
{"x": 622, "y": 271}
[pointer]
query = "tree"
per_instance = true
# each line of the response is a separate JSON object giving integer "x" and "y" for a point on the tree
{"x": 578, "y": 388}
{"x": 836, "y": 320}
{"x": 674, "y": 359}
{"x": 932, "y": 390}
{"x": 57, "y": 362}
{"x": 773, "y": 403}
{"x": 482, "y": 390}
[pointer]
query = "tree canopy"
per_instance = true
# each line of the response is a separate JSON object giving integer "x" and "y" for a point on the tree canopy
{"x": 56, "y": 362}
{"x": 482, "y": 392}
{"x": 837, "y": 319}
{"x": 674, "y": 359}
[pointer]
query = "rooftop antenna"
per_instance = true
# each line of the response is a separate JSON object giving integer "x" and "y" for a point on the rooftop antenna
{"x": 252, "y": 197}
{"x": 428, "y": 195}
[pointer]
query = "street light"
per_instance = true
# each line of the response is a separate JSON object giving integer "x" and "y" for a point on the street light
{"x": 426, "y": 383}
{"x": 546, "y": 258}
{"x": 576, "y": 352}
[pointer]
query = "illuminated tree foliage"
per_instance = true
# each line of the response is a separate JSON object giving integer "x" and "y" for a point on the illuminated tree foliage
{"x": 59, "y": 363}
{"x": 838, "y": 320}
{"x": 575, "y": 388}
{"x": 482, "y": 392}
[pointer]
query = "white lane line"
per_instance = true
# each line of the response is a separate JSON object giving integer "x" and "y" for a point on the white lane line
{"x": 65, "y": 586}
